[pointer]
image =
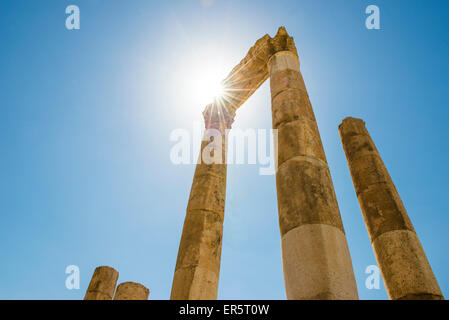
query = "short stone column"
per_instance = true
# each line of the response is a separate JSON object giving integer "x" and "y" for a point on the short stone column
{"x": 315, "y": 254}
{"x": 131, "y": 291}
{"x": 405, "y": 269}
{"x": 198, "y": 264}
{"x": 102, "y": 285}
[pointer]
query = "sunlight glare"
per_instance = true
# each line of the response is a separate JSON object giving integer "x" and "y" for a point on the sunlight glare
{"x": 198, "y": 79}
{"x": 206, "y": 83}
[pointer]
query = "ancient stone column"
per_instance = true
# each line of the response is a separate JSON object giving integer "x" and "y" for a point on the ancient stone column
{"x": 315, "y": 254}
{"x": 405, "y": 269}
{"x": 198, "y": 264}
{"x": 102, "y": 285}
{"x": 131, "y": 291}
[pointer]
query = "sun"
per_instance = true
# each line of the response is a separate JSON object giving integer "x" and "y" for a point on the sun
{"x": 207, "y": 83}
{"x": 198, "y": 79}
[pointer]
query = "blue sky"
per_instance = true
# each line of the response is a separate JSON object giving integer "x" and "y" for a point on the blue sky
{"x": 86, "y": 116}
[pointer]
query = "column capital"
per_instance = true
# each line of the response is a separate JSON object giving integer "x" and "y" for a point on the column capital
{"x": 252, "y": 70}
{"x": 217, "y": 117}
{"x": 282, "y": 42}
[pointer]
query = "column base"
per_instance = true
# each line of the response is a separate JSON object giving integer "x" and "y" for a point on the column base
{"x": 317, "y": 264}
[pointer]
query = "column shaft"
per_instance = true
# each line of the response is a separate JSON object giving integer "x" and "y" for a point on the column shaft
{"x": 404, "y": 266}
{"x": 102, "y": 285}
{"x": 198, "y": 264}
{"x": 315, "y": 254}
{"x": 131, "y": 291}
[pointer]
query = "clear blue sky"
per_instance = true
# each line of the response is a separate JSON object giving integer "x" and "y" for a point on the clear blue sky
{"x": 86, "y": 116}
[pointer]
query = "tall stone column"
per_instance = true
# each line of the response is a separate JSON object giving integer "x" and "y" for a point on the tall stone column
{"x": 405, "y": 269}
{"x": 131, "y": 291}
{"x": 315, "y": 254}
{"x": 102, "y": 285}
{"x": 198, "y": 264}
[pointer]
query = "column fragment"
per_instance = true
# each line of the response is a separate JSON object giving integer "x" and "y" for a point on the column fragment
{"x": 131, "y": 291}
{"x": 315, "y": 254}
{"x": 198, "y": 264}
{"x": 404, "y": 266}
{"x": 102, "y": 285}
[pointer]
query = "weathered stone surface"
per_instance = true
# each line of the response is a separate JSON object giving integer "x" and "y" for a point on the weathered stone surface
{"x": 309, "y": 218}
{"x": 131, "y": 291}
{"x": 291, "y": 105}
{"x": 317, "y": 264}
{"x": 286, "y": 60}
{"x": 306, "y": 195}
{"x": 371, "y": 171}
{"x": 201, "y": 241}
{"x": 285, "y": 74}
{"x": 406, "y": 272}
{"x": 198, "y": 283}
{"x": 198, "y": 264}
{"x": 102, "y": 285}
{"x": 208, "y": 193}
{"x": 383, "y": 210}
{"x": 299, "y": 138}
{"x": 286, "y": 80}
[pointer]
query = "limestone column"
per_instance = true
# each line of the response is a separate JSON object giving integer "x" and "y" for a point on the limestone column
{"x": 102, "y": 285}
{"x": 315, "y": 254}
{"x": 131, "y": 291}
{"x": 405, "y": 269}
{"x": 198, "y": 264}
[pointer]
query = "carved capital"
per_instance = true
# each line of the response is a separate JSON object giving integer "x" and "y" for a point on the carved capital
{"x": 217, "y": 117}
{"x": 282, "y": 42}
{"x": 252, "y": 71}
